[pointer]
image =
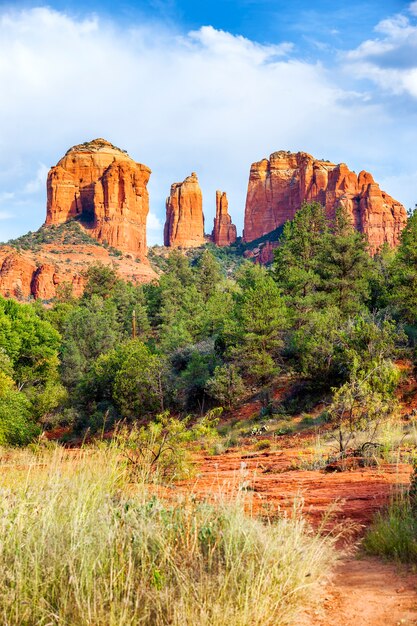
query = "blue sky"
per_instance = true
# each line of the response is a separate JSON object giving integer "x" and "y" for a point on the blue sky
{"x": 207, "y": 87}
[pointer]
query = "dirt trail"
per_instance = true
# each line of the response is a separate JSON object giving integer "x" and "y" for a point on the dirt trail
{"x": 361, "y": 591}
{"x": 365, "y": 592}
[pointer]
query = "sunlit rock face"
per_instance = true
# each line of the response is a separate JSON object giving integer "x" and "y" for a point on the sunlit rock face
{"x": 278, "y": 187}
{"x": 184, "y": 225}
{"x": 224, "y": 231}
{"x": 105, "y": 189}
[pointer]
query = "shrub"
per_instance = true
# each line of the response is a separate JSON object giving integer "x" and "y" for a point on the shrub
{"x": 393, "y": 533}
{"x": 262, "y": 444}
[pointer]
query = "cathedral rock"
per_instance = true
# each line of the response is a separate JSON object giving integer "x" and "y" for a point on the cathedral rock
{"x": 224, "y": 232}
{"x": 105, "y": 189}
{"x": 184, "y": 225}
{"x": 278, "y": 187}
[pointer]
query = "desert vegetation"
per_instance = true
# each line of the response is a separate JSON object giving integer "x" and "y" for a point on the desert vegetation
{"x": 327, "y": 316}
{"x": 151, "y": 376}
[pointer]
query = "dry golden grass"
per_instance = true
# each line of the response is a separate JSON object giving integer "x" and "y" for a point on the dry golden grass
{"x": 80, "y": 546}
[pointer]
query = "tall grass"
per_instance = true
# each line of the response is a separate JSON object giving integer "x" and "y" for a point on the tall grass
{"x": 393, "y": 533}
{"x": 79, "y": 545}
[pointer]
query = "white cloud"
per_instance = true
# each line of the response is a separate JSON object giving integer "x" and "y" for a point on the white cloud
{"x": 154, "y": 223}
{"x": 39, "y": 181}
{"x": 390, "y": 59}
{"x": 206, "y": 101}
{"x": 4, "y": 215}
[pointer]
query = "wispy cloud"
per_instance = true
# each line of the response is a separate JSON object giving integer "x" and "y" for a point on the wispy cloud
{"x": 390, "y": 58}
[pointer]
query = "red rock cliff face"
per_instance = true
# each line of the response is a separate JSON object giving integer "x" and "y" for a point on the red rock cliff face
{"x": 184, "y": 225}
{"x": 103, "y": 187}
{"x": 278, "y": 187}
{"x": 224, "y": 232}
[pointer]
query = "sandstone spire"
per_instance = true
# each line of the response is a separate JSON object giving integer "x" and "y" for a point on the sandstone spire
{"x": 184, "y": 225}
{"x": 224, "y": 232}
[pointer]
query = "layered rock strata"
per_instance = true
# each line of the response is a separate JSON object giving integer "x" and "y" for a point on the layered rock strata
{"x": 105, "y": 189}
{"x": 184, "y": 225}
{"x": 278, "y": 187}
{"x": 224, "y": 231}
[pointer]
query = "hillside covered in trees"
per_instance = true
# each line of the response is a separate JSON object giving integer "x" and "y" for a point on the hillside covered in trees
{"x": 326, "y": 312}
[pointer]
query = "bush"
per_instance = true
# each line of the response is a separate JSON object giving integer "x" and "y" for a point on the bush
{"x": 16, "y": 427}
{"x": 393, "y": 533}
{"x": 262, "y": 444}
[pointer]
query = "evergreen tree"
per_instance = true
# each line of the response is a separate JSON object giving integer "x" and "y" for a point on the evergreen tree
{"x": 404, "y": 273}
{"x": 255, "y": 332}
{"x": 297, "y": 259}
{"x": 344, "y": 266}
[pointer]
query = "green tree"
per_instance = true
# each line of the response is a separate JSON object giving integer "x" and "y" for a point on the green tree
{"x": 16, "y": 425}
{"x": 90, "y": 330}
{"x": 208, "y": 274}
{"x": 364, "y": 403}
{"x": 344, "y": 265}
{"x": 404, "y": 273}
{"x": 29, "y": 342}
{"x": 226, "y": 385}
{"x": 100, "y": 280}
{"x": 138, "y": 384}
{"x": 255, "y": 335}
{"x": 297, "y": 260}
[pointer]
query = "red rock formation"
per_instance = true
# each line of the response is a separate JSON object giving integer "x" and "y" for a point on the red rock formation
{"x": 22, "y": 278}
{"x": 278, "y": 187}
{"x": 16, "y": 274}
{"x": 184, "y": 225}
{"x": 106, "y": 190}
{"x": 224, "y": 232}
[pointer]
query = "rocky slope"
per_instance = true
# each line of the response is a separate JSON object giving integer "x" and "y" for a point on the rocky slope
{"x": 224, "y": 231}
{"x": 36, "y": 264}
{"x": 105, "y": 190}
{"x": 97, "y": 206}
{"x": 184, "y": 225}
{"x": 278, "y": 186}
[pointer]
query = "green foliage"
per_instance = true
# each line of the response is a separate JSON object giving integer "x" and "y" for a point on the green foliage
{"x": 226, "y": 385}
{"x": 138, "y": 387}
{"x": 162, "y": 448}
{"x": 128, "y": 378}
{"x": 404, "y": 274}
{"x": 100, "y": 281}
{"x": 89, "y": 330}
{"x": 322, "y": 263}
{"x": 16, "y": 426}
{"x": 298, "y": 258}
{"x": 255, "y": 333}
{"x": 393, "y": 533}
{"x": 345, "y": 266}
{"x": 208, "y": 274}
{"x": 214, "y": 325}
{"x": 327, "y": 348}
{"x": 69, "y": 233}
{"x": 364, "y": 402}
